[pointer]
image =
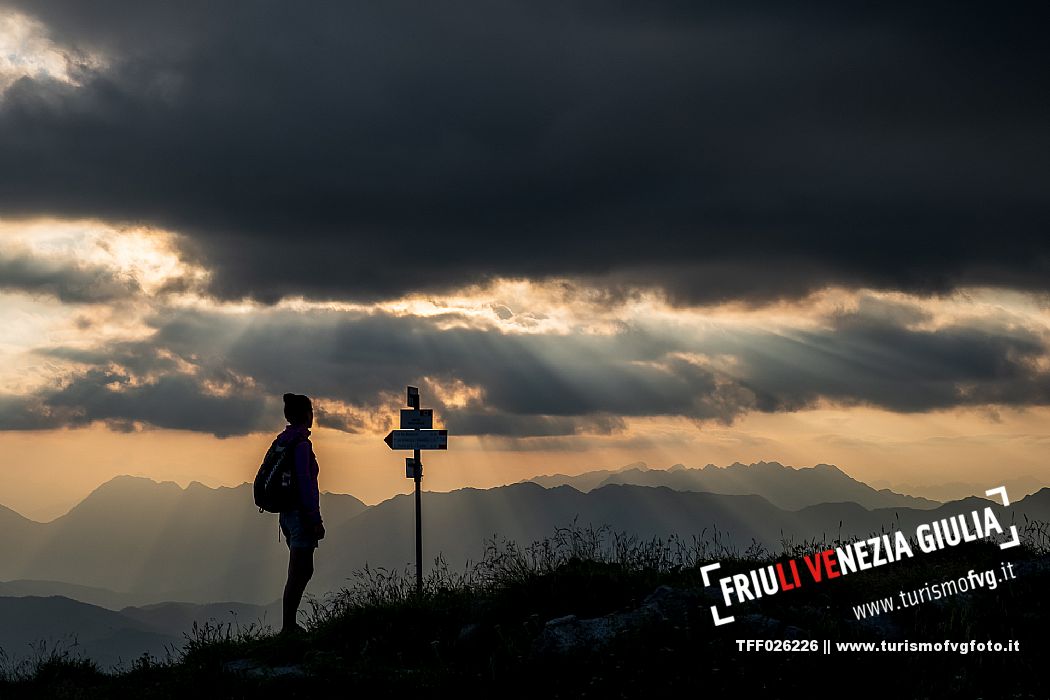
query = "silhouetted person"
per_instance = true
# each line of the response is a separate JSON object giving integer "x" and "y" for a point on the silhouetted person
{"x": 302, "y": 527}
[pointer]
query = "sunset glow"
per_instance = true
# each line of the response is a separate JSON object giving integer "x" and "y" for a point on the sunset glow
{"x": 578, "y": 272}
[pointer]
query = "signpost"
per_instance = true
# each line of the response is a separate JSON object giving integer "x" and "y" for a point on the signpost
{"x": 415, "y": 418}
{"x": 417, "y": 434}
{"x": 417, "y": 439}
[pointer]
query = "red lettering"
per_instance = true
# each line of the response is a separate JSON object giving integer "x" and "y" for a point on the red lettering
{"x": 784, "y": 585}
{"x": 813, "y": 564}
{"x": 831, "y": 563}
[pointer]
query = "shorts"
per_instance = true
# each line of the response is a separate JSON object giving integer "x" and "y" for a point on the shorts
{"x": 297, "y": 533}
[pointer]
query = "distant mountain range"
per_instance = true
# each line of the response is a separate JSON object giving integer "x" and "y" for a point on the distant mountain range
{"x": 151, "y": 542}
{"x": 101, "y": 597}
{"x": 32, "y": 626}
{"x": 955, "y": 490}
{"x": 587, "y": 481}
{"x": 785, "y": 487}
{"x": 160, "y": 542}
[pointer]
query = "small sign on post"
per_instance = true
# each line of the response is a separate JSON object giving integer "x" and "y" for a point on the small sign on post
{"x": 417, "y": 419}
{"x": 417, "y": 433}
{"x": 417, "y": 439}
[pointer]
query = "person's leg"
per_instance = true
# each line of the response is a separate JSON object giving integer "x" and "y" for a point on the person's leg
{"x": 300, "y": 569}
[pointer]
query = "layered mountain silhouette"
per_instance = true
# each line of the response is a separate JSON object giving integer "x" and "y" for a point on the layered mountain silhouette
{"x": 33, "y": 626}
{"x": 155, "y": 542}
{"x": 136, "y": 536}
{"x": 783, "y": 486}
{"x": 955, "y": 490}
{"x": 589, "y": 480}
{"x": 101, "y": 597}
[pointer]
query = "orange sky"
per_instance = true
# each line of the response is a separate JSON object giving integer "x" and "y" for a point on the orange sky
{"x": 48, "y": 471}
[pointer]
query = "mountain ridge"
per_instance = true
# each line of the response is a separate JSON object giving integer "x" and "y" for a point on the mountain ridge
{"x": 202, "y": 544}
{"x": 786, "y": 486}
{"x": 112, "y": 637}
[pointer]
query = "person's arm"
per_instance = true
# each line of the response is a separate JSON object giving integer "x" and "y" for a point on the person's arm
{"x": 308, "y": 494}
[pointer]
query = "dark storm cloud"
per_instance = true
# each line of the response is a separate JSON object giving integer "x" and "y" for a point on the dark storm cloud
{"x": 172, "y": 401}
{"x": 875, "y": 360}
{"x": 73, "y": 283}
{"x": 222, "y": 373}
{"x": 356, "y": 358}
{"x": 720, "y": 150}
{"x": 26, "y": 413}
{"x": 531, "y": 385}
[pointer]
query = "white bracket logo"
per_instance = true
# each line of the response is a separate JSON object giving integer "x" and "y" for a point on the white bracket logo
{"x": 1000, "y": 491}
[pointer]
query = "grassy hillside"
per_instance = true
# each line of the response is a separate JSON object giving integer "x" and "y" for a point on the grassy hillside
{"x": 587, "y": 613}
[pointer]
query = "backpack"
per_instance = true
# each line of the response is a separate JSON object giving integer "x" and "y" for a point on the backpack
{"x": 275, "y": 487}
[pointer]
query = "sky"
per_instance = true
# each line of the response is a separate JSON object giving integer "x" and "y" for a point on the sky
{"x": 591, "y": 233}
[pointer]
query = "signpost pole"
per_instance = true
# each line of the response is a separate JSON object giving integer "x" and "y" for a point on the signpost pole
{"x": 419, "y": 528}
{"x": 413, "y": 402}
{"x": 417, "y": 433}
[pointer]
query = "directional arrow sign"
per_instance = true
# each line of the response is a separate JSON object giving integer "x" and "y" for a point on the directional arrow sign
{"x": 417, "y": 439}
{"x": 417, "y": 418}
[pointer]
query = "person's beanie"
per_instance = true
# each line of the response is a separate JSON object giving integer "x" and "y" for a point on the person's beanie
{"x": 296, "y": 407}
